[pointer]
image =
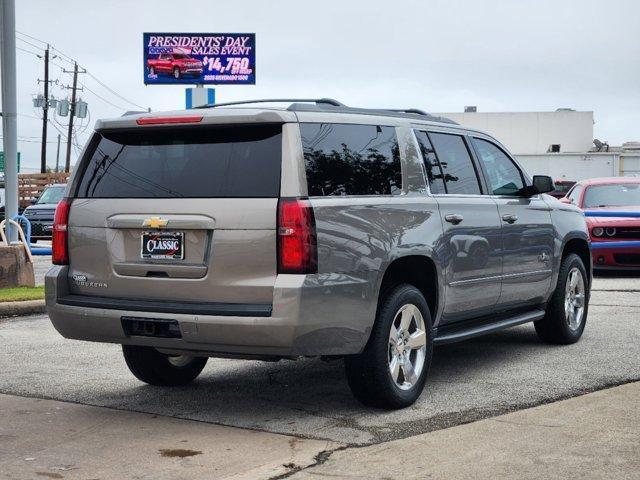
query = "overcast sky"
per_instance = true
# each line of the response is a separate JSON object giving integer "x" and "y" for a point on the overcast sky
{"x": 434, "y": 55}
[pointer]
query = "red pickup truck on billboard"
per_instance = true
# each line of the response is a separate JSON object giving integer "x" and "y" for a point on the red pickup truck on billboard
{"x": 175, "y": 64}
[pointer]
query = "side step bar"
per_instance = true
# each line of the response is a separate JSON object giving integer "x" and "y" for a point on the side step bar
{"x": 450, "y": 334}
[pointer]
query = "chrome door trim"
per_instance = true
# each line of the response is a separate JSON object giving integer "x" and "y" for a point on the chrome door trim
{"x": 500, "y": 277}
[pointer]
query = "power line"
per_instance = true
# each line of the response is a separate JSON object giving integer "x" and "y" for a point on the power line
{"x": 29, "y": 43}
{"x": 67, "y": 58}
{"x": 114, "y": 92}
{"x": 29, "y": 51}
{"x": 29, "y": 36}
{"x": 102, "y": 98}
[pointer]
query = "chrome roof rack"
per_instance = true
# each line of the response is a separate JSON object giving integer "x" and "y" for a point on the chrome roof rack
{"x": 325, "y": 101}
{"x": 334, "y": 106}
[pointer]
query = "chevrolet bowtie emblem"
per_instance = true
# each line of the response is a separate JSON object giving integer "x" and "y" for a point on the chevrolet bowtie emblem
{"x": 155, "y": 222}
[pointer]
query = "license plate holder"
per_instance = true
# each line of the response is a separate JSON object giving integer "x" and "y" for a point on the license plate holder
{"x": 162, "y": 245}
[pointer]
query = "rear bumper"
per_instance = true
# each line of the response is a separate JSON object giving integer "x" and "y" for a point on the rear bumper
{"x": 311, "y": 315}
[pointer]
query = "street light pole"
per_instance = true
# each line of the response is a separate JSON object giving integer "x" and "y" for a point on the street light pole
{"x": 9, "y": 112}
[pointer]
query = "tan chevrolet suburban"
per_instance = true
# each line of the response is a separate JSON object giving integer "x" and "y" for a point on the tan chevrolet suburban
{"x": 252, "y": 230}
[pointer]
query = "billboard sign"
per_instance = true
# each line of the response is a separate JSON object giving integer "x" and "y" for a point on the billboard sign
{"x": 199, "y": 58}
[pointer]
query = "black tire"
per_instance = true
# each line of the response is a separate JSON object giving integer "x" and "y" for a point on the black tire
{"x": 368, "y": 373}
{"x": 554, "y": 327}
{"x": 152, "y": 71}
{"x": 155, "y": 368}
{"x": 176, "y": 73}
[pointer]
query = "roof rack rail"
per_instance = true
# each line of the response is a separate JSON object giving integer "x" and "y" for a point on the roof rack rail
{"x": 317, "y": 101}
{"x": 334, "y": 106}
{"x": 408, "y": 110}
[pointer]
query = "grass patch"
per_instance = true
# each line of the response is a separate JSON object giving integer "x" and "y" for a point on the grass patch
{"x": 18, "y": 294}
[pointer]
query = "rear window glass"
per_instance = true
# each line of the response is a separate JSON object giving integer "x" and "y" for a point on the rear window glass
{"x": 343, "y": 159}
{"x": 195, "y": 162}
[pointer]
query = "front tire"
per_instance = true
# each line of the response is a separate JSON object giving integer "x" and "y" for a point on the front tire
{"x": 176, "y": 73}
{"x": 567, "y": 309}
{"x": 155, "y": 368}
{"x": 391, "y": 371}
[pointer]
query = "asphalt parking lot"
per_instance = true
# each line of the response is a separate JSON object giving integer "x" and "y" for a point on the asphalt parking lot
{"x": 484, "y": 377}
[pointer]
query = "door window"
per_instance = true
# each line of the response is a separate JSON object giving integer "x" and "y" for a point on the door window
{"x": 504, "y": 176}
{"x": 460, "y": 175}
{"x": 435, "y": 176}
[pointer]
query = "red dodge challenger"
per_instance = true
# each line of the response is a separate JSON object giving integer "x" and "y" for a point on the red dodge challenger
{"x": 612, "y": 207}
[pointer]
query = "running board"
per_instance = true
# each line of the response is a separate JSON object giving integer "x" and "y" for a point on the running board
{"x": 452, "y": 334}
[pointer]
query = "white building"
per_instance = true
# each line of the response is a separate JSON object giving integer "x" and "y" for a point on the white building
{"x": 533, "y": 132}
{"x": 559, "y": 144}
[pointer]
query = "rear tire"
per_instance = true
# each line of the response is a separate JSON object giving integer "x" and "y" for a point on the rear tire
{"x": 567, "y": 309}
{"x": 155, "y": 368}
{"x": 176, "y": 73}
{"x": 391, "y": 371}
{"x": 152, "y": 71}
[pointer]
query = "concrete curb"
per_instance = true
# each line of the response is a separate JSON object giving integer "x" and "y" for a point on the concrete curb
{"x": 15, "y": 309}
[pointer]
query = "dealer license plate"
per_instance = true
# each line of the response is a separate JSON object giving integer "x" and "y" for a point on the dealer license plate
{"x": 162, "y": 245}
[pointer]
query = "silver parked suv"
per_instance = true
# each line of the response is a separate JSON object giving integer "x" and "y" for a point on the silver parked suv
{"x": 248, "y": 231}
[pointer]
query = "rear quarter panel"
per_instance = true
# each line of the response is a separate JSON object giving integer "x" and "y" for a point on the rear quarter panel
{"x": 359, "y": 236}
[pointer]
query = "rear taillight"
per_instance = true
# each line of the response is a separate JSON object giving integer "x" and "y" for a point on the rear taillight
{"x": 60, "y": 252}
{"x": 297, "y": 247}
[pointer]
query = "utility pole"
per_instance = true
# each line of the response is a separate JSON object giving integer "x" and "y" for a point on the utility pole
{"x": 9, "y": 111}
{"x": 72, "y": 111}
{"x": 58, "y": 156}
{"x": 45, "y": 112}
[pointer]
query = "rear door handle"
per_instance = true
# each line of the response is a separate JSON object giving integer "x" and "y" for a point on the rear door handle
{"x": 509, "y": 217}
{"x": 453, "y": 218}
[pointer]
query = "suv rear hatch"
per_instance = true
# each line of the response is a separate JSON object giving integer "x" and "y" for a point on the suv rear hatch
{"x": 177, "y": 213}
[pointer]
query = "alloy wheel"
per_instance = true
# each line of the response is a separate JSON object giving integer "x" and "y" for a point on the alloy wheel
{"x": 574, "y": 298}
{"x": 407, "y": 346}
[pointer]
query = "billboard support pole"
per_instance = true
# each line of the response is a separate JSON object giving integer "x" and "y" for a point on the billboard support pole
{"x": 9, "y": 113}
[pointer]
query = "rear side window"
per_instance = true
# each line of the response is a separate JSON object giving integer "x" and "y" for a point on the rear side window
{"x": 343, "y": 159}
{"x": 432, "y": 166}
{"x": 459, "y": 172}
{"x": 194, "y": 162}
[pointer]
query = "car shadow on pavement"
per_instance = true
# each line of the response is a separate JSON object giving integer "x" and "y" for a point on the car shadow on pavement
{"x": 232, "y": 388}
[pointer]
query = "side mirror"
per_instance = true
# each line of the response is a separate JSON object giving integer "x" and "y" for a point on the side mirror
{"x": 543, "y": 183}
{"x": 565, "y": 200}
{"x": 33, "y": 201}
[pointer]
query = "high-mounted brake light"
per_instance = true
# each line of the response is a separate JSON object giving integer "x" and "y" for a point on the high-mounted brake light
{"x": 166, "y": 120}
{"x": 297, "y": 244}
{"x": 59, "y": 250}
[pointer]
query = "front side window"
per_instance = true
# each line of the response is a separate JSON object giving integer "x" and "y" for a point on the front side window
{"x": 459, "y": 173}
{"x": 342, "y": 159}
{"x": 432, "y": 166}
{"x": 504, "y": 176}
